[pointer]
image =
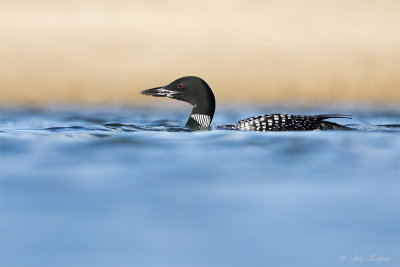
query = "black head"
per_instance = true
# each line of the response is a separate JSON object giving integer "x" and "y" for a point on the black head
{"x": 192, "y": 90}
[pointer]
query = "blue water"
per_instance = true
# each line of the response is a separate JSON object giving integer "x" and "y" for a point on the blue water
{"x": 126, "y": 186}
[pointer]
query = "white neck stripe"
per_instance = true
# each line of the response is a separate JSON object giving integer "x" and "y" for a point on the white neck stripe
{"x": 203, "y": 120}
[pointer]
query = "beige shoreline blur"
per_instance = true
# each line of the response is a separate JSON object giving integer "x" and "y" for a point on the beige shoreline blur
{"x": 263, "y": 51}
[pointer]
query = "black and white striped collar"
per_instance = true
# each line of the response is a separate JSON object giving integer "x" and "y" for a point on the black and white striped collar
{"x": 203, "y": 120}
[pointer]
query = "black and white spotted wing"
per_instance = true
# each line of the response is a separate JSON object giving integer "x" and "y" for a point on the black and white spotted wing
{"x": 286, "y": 122}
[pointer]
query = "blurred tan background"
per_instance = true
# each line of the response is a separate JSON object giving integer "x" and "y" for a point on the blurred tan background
{"x": 267, "y": 51}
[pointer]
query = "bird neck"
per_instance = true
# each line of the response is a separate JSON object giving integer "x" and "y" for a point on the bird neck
{"x": 202, "y": 114}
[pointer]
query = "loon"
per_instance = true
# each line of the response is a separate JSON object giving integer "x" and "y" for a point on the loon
{"x": 196, "y": 92}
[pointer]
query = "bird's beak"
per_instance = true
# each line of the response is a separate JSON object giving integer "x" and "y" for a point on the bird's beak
{"x": 158, "y": 91}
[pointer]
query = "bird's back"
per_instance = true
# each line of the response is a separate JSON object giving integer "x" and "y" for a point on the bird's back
{"x": 286, "y": 122}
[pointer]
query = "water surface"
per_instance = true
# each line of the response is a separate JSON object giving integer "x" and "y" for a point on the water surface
{"x": 119, "y": 186}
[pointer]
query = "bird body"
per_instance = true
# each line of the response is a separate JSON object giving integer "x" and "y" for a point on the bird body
{"x": 286, "y": 122}
{"x": 196, "y": 92}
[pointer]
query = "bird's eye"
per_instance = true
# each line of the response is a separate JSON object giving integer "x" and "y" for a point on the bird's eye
{"x": 180, "y": 85}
